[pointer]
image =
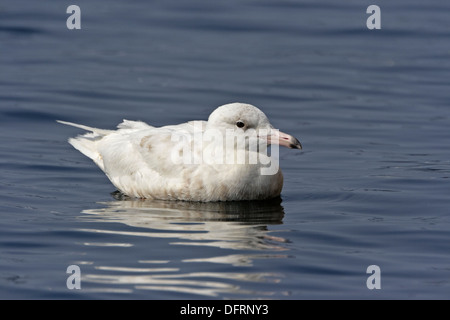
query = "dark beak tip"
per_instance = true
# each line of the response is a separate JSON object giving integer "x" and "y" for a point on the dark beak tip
{"x": 296, "y": 145}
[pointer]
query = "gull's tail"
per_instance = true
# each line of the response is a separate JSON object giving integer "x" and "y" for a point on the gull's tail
{"x": 102, "y": 132}
{"x": 87, "y": 144}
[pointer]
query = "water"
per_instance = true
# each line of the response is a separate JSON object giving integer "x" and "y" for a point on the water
{"x": 371, "y": 187}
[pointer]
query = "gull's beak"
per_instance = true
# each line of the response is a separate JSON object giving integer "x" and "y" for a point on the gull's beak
{"x": 283, "y": 139}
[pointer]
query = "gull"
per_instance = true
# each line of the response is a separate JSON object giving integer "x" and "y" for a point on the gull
{"x": 222, "y": 159}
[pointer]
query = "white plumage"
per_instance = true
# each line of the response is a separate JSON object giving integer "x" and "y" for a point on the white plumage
{"x": 189, "y": 161}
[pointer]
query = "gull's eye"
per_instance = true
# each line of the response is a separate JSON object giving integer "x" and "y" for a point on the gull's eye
{"x": 240, "y": 124}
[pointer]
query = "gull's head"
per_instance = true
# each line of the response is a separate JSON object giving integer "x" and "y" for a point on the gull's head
{"x": 245, "y": 119}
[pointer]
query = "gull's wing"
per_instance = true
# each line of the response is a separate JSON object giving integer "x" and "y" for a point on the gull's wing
{"x": 138, "y": 155}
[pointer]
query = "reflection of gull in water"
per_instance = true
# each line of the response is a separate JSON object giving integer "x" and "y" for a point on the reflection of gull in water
{"x": 231, "y": 225}
{"x": 240, "y": 226}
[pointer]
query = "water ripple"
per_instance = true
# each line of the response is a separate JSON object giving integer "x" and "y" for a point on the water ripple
{"x": 238, "y": 226}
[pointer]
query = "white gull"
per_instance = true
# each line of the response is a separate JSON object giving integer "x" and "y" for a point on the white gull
{"x": 191, "y": 161}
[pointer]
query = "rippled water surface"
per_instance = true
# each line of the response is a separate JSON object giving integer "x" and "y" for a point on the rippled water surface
{"x": 370, "y": 187}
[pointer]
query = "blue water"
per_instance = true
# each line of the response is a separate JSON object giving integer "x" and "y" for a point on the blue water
{"x": 370, "y": 187}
